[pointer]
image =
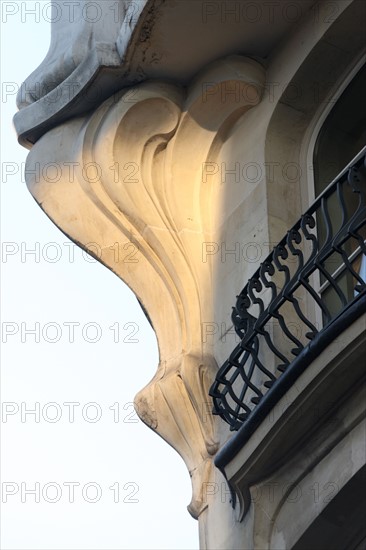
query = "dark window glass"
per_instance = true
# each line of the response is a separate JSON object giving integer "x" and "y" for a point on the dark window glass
{"x": 343, "y": 133}
{"x": 341, "y": 137}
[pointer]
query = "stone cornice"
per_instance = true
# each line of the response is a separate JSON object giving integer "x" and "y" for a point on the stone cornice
{"x": 97, "y": 48}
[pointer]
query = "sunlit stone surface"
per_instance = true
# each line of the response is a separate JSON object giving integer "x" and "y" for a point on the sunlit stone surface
{"x": 181, "y": 120}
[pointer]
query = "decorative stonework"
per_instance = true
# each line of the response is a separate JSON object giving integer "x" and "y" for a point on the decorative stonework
{"x": 138, "y": 163}
{"x": 89, "y": 41}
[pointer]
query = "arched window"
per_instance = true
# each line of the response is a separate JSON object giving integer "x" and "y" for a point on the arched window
{"x": 343, "y": 133}
{"x": 341, "y": 138}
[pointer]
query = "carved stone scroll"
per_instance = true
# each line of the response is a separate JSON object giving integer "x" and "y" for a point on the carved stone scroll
{"x": 137, "y": 180}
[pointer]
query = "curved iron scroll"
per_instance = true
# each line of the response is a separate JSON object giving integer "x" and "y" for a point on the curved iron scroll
{"x": 308, "y": 280}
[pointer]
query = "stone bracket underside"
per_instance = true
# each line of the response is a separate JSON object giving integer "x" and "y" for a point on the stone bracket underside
{"x": 88, "y": 60}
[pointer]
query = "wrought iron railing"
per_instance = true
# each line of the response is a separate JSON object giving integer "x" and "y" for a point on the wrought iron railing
{"x": 308, "y": 281}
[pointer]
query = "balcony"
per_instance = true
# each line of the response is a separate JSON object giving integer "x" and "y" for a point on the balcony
{"x": 310, "y": 288}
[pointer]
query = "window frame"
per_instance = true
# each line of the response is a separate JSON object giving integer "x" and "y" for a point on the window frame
{"x": 308, "y": 193}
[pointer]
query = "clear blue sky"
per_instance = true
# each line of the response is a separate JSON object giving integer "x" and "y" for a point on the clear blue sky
{"x": 50, "y": 291}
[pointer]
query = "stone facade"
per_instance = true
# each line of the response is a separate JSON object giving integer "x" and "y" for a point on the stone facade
{"x": 191, "y": 128}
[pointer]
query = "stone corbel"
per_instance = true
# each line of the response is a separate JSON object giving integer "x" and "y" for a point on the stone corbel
{"x": 136, "y": 165}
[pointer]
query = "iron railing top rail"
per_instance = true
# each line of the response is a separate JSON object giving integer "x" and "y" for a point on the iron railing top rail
{"x": 357, "y": 161}
{"x": 243, "y": 379}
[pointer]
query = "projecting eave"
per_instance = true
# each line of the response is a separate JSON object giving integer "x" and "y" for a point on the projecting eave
{"x": 170, "y": 40}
